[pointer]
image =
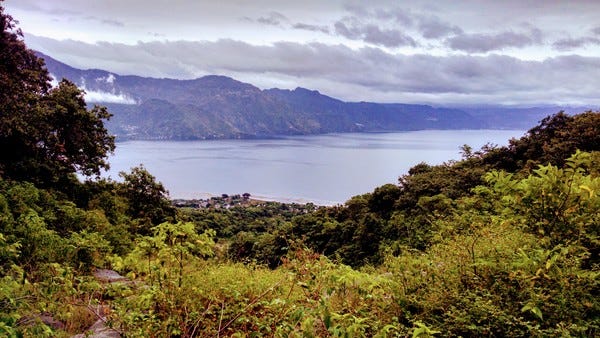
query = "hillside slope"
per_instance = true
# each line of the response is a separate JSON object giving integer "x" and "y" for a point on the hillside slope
{"x": 217, "y": 107}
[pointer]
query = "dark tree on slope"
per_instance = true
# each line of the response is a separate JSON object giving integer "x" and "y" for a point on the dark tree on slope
{"x": 46, "y": 134}
{"x": 148, "y": 199}
{"x": 551, "y": 142}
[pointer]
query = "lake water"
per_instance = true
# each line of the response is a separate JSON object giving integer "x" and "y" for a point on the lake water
{"x": 323, "y": 169}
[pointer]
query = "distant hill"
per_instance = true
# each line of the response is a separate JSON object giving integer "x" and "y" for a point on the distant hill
{"x": 218, "y": 107}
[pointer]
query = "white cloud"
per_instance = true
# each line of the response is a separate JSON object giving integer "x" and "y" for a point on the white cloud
{"x": 110, "y": 79}
{"x": 100, "y": 96}
{"x": 371, "y": 74}
{"x": 482, "y": 43}
{"x": 104, "y": 97}
{"x": 427, "y": 51}
{"x": 53, "y": 81}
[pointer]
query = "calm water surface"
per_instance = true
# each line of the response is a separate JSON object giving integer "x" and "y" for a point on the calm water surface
{"x": 324, "y": 169}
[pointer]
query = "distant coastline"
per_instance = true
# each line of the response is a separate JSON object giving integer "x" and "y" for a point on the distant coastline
{"x": 215, "y": 107}
{"x": 254, "y": 199}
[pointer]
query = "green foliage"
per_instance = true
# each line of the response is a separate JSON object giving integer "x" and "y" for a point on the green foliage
{"x": 487, "y": 270}
{"x": 307, "y": 296}
{"x": 170, "y": 246}
{"x": 383, "y": 199}
{"x": 422, "y": 330}
{"x": 502, "y": 243}
{"x": 163, "y": 261}
{"x": 562, "y": 206}
{"x": 493, "y": 272}
{"x": 46, "y": 134}
{"x": 147, "y": 199}
{"x": 88, "y": 250}
{"x": 551, "y": 142}
{"x": 77, "y": 140}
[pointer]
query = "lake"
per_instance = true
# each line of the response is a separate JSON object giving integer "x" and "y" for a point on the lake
{"x": 323, "y": 169}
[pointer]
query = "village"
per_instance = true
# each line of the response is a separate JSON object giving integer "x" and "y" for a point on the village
{"x": 226, "y": 201}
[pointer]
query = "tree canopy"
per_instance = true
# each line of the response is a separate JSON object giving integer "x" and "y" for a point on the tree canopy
{"x": 148, "y": 199}
{"x": 46, "y": 133}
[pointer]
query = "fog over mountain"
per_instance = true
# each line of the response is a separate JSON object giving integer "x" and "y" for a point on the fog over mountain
{"x": 217, "y": 107}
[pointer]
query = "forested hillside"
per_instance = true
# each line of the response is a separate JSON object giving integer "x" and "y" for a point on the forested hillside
{"x": 501, "y": 243}
{"x": 217, "y": 107}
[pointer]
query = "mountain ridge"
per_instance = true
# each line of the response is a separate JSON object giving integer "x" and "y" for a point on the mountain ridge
{"x": 220, "y": 107}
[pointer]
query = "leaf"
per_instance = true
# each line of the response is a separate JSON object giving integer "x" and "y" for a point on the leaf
{"x": 536, "y": 311}
{"x": 533, "y": 309}
{"x": 327, "y": 319}
{"x": 418, "y": 332}
{"x": 588, "y": 189}
{"x": 423, "y": 330}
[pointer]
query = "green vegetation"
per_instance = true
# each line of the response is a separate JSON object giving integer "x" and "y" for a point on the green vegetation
{"x": 501, "y": 243}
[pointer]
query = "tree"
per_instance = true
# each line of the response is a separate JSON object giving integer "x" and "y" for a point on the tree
{"x": 148, "y": 199}
{"x": 551, "y": 142}
{"x": 22, "y": 74}
{"x": 383, "y": 199}
{"x": 46, "y": 134}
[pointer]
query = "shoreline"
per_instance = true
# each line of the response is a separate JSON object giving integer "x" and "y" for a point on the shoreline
{"x": 290, "y": 136}
{"x": 255, "y": 198}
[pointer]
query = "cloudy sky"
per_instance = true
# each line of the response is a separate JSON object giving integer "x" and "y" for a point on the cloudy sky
{"x": 520, "y": 52}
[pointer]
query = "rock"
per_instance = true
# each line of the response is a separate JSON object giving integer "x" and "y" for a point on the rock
{"x": 109, "y": 276}
{"x": 99, "y": 330}
{"x": 44, "y": 318}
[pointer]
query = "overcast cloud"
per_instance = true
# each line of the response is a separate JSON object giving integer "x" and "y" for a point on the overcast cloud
{"x": 482, "y": 43}
{"x": 486, "y": 52}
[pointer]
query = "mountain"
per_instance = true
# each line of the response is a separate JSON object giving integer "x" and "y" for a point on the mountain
{"x": 216, "y": 107}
